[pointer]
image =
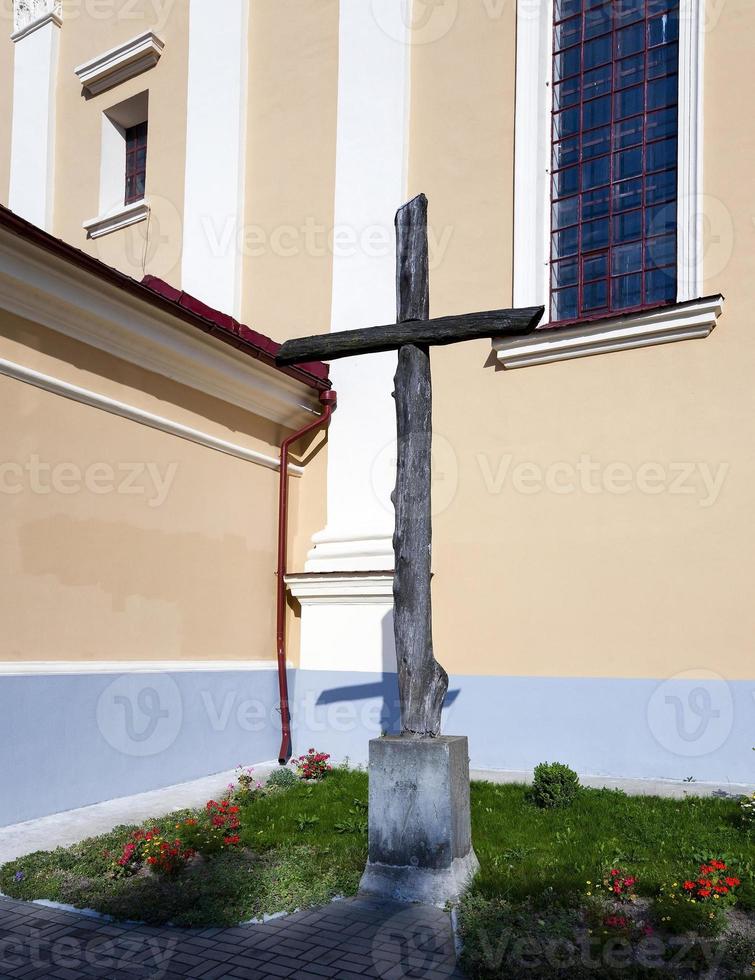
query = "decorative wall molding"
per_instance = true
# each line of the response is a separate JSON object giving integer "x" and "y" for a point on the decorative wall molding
{"x": 685, "y": 321}
{"x": 28, "y": 15}
{"x": 46, "y": 289}
{"x": 121, "y": 217}
{"x": 21, "y": 668}
{"x": 362, "y": 588}
{"x": 346, "y": 623}
{"x": 87, "y": 397}
{"x": 120, "y": 63}
{"x": 334, "y": 552}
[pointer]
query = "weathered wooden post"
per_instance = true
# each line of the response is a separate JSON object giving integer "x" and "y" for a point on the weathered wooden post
{"x": 420, "y": 846}
{"x": 422, "y": 681}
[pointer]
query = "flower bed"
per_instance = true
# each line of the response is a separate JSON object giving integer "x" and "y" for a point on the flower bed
{"x": 301, "y": 844}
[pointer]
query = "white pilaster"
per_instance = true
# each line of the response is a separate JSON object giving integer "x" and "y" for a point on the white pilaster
{"x": 371, "y": 183}
{"x": 691, "y": 202}
{"x": 32, "y": 170}
{"x": 215, "y": 152}
{"x": 532, "y": 212}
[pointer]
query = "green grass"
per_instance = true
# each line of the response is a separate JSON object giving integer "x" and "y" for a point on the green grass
{"x": 304, "y": 845}
{"x": 293, "y": 856}
{"x": 525, "y": 852}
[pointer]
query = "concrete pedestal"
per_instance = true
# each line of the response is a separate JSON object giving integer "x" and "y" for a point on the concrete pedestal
{"x": 419, "y": 824}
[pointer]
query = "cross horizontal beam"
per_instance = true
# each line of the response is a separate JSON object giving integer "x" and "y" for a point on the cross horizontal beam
{"x": 430, "y": 333}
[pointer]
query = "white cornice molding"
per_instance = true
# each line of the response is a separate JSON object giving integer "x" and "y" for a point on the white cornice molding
{"x": 45, "y": 289}
{"x": 30, "y": 15}
{"x": 122, "y": 217}
{"x": 36, "y": 25}
{"x": 369, "y": 551}
{"x": 22, "y": 668}
{"x": 86, "y": 396}
{"x": 120, "y": 63}
{"x": 328, "y": 588}
{"x": 685, "y": 321}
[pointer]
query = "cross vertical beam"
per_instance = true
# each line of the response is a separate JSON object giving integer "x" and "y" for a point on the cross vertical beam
{"x": 423, "y": 683}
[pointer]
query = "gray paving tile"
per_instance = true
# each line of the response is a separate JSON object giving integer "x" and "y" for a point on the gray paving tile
{"x": 350, "y": 940}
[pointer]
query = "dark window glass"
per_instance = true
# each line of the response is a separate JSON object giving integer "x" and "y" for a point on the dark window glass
{"x": 596, "y": 204}
{"x": 627, "y": 195}
{"x": 136, "y": 163}
{"x": 615, "y": 147}
{"x": 595, "y": 267}
{"x": 566, "y": 153}
{"x": 564, "y": 304}
{"x": 566, "y": 212}
{"x": 596, "y": 142}
{"x": 565, "y": 273}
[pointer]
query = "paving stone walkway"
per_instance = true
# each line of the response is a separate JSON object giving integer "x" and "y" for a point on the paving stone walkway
{"x": 349, "y": 940}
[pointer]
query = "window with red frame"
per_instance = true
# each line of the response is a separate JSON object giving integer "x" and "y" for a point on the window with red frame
{"x": 136, "y": 162}
{"x": 614, "y": 176}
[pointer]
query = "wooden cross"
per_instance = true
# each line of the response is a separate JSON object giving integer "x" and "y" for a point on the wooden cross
{"x": 423, "y": 683}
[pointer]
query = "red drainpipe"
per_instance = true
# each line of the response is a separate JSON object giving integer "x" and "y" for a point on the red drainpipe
{"x": 329, "y": 400}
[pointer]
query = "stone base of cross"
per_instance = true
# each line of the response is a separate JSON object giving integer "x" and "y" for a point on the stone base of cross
{"x": 419, "y": 824}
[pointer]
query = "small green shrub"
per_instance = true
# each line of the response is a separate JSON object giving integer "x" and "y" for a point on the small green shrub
{"x": 555, "y": 785}
{"x": 281, "y": 779}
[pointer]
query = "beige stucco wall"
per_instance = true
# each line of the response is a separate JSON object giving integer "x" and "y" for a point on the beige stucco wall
{"x": 293, "y": 86}
{"x": 153, "y": 247}
{"x": 544, "y": 582}
{"x": 6, "y": 99}
{"x": 289, "y": 204}
{"x": 601, "y": 584}
{"x": 178, "y": 566}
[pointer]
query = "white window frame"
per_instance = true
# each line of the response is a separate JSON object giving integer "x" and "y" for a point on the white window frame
{"x": 532, "y": 163}
{"x": 114, "y": 213}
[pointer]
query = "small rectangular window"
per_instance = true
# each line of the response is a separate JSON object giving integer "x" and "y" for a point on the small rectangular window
{"x": 615, "y": 95}
{"x": 136, "y": 162}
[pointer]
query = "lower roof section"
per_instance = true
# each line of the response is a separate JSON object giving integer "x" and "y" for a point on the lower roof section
{"x": 150, "y": 324}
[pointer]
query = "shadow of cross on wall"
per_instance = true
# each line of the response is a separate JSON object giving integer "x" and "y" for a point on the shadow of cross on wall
{"x": 385, "y": 689}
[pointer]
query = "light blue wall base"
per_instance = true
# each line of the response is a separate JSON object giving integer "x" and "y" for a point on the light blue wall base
{"x": 645, "y": 729}
{"x": 67, "y": 741}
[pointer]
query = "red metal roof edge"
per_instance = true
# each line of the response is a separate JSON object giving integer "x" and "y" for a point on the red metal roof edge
{"x": 160, "y": 294}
